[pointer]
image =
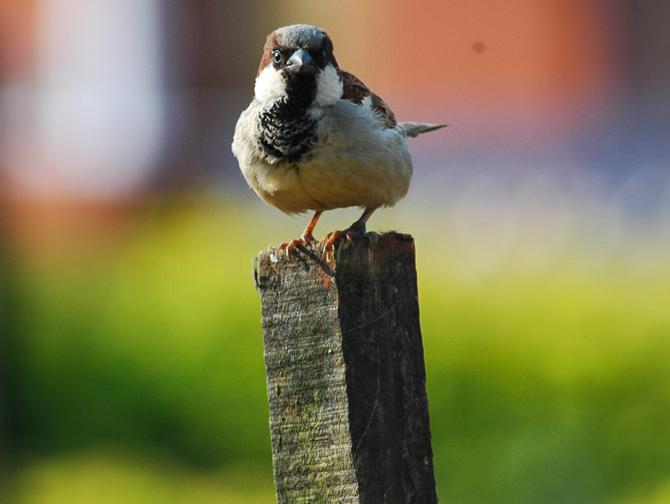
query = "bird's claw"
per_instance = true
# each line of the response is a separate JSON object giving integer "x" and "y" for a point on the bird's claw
{"x": 291, "y": 247}
{"x": 356, "y": 229}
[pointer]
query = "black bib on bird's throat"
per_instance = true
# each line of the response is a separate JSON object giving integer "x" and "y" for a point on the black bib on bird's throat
{"x": 286, "y": 131}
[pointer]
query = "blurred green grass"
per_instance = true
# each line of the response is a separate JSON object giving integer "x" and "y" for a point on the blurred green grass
{"x": 545, "y": 385}
{"x": 116, "y": 478}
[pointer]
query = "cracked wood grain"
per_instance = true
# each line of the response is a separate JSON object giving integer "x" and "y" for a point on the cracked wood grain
{"x": 345, "y": 374}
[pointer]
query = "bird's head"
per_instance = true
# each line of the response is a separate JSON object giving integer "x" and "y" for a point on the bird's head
{"x": 298, "y": 65}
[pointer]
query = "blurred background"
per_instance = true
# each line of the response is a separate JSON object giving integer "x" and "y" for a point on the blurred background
{"x": 131, "y": 366}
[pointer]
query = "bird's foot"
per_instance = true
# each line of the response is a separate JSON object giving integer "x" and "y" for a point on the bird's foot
{"x": 356, "y": 229}
{"x": 291, "y": 247}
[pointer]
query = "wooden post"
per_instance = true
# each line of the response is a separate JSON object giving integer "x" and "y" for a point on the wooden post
{"x": 345, "y": 374}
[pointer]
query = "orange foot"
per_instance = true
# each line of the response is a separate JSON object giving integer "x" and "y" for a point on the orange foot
{"x": 294, "y": 245}
{"x": 357, "y": 228}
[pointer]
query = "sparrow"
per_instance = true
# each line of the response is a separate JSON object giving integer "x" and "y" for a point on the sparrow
{"x": 316, "y": 138}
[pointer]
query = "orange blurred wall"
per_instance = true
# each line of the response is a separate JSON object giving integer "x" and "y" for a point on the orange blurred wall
{"x": 499, "y": 50}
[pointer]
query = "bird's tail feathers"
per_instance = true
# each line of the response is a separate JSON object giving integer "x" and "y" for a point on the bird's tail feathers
{"x": 412, "y": 129}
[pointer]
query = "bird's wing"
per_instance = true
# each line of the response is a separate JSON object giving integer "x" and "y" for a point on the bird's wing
{"x": 356, "y": 91}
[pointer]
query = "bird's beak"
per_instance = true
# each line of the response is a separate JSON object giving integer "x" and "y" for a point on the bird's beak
{"x": 301, "y": 62}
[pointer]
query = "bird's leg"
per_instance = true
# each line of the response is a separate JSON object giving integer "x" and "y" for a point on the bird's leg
{"x": 305, "y": 238}
{"x": 357, "y": 227}
{"x": 307, "y": 235}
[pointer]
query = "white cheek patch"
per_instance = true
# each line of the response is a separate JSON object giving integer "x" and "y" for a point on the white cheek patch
{"x": 328, "y": 86}
{"x": 270, "y": 85}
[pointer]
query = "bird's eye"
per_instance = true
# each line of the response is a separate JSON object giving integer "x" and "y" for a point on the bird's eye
{"x": 320, "y": 57}
{"x": 276, "y": 57}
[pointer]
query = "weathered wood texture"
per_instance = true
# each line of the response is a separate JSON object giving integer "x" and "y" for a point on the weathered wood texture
{"x": 345, "y": 374}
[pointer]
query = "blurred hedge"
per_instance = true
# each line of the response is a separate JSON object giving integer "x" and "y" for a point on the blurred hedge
{"x": 545, "y": 385}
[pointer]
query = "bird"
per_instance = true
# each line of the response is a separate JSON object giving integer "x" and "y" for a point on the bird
{"x": 316, "y": 138}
